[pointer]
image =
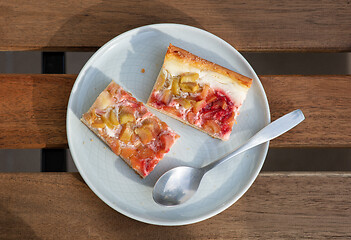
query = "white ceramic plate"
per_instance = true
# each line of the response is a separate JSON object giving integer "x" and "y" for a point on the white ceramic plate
{"x": 121, "y": 60}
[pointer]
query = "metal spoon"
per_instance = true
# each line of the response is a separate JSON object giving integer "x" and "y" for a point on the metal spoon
{"x": 179, "y": 184}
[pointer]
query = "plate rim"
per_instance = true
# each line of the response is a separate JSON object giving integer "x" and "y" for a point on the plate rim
{"x": 210, "y": 214}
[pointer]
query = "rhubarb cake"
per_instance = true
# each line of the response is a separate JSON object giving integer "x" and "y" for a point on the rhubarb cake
{"x": 199, "y": 93}
{"x": 129, "y": 129}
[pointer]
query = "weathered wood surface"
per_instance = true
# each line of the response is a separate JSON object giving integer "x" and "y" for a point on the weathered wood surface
{"x": 33, "y": 109}
{"x": 277, "y": 206}
{"x": 325, "y": 101}
{"x": 247, "y": 25}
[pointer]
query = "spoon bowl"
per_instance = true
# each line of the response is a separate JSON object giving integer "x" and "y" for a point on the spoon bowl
{"x": 179, "y": 184}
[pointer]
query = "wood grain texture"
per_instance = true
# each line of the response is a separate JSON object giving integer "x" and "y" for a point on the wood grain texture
{"x": 325, "y": 102}
{"x": 33, "y": 109}
{"x": 247, "y": 25}
{"x": 277, "y": 206}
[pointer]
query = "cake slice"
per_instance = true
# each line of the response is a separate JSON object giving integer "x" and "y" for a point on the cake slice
{"x": 129, "y": 129}
{"x": 199, "y": 93}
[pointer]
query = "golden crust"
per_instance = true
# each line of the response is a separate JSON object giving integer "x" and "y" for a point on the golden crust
{"x": 153, "y": 89}
{"x": 187, "y": 57}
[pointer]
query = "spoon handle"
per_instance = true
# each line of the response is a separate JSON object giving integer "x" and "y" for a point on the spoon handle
{"x": 271, "y": 131}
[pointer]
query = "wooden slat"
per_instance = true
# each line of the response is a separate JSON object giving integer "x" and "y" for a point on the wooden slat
{"x": 277, "y": 206}
{"x": 248, "y": 25}
{"x": 325, "y": 102}
{"x": 33, "y": 109}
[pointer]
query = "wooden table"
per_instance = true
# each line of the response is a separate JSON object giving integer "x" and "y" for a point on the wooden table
{"x": 278, "y": 205}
